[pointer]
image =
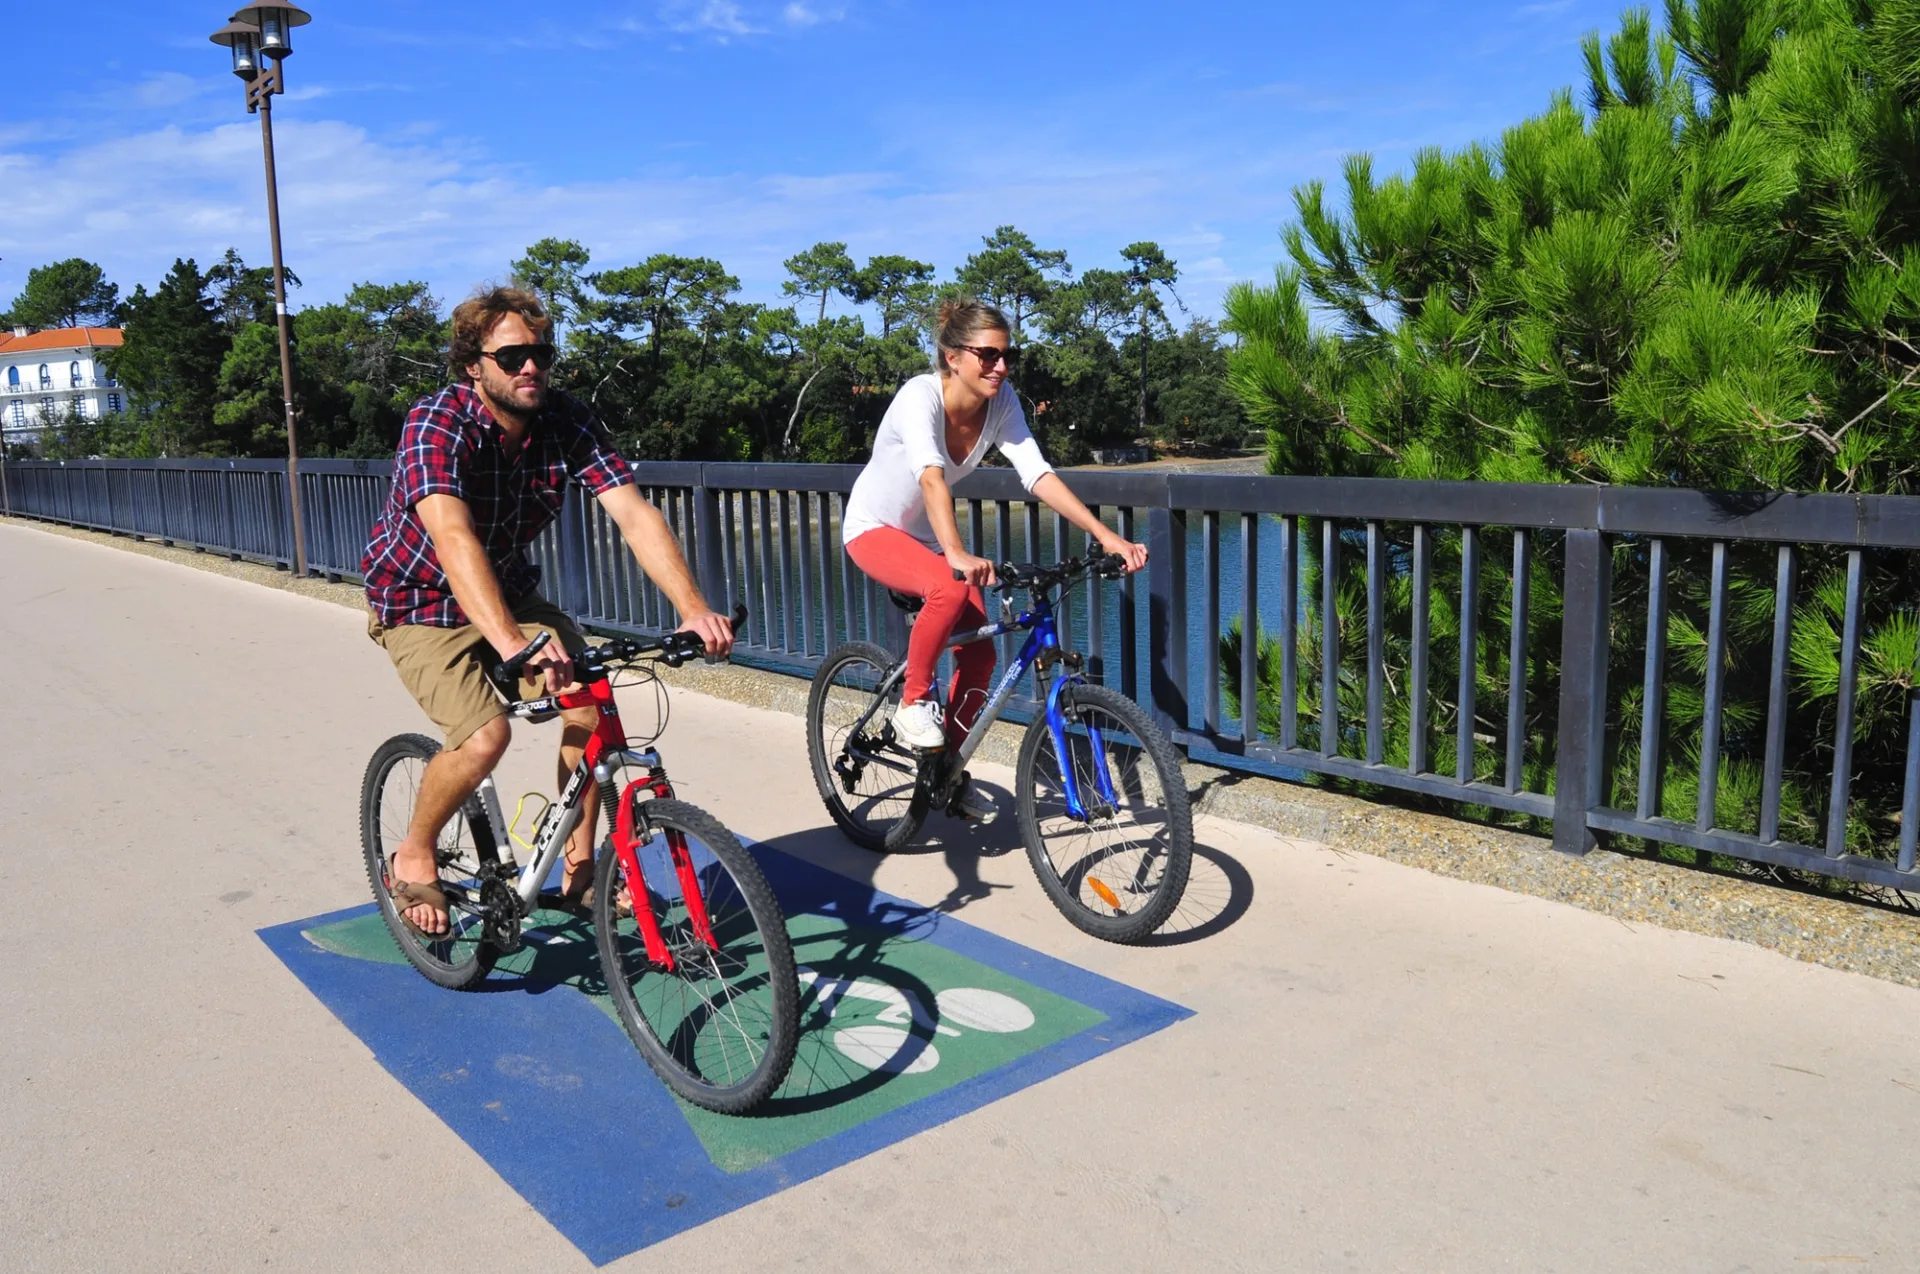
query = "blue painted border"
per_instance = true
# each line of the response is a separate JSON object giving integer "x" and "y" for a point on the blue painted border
{"x": 583, "y": 1131}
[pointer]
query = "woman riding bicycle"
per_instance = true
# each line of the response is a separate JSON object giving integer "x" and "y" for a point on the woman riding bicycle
{"x": 900, "y": 526}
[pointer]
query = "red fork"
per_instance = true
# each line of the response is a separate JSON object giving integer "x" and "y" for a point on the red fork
{"x": 625, "y": 845}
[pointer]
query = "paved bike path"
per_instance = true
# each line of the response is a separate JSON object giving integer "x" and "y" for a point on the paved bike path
{"x": 1385, "y": 1069}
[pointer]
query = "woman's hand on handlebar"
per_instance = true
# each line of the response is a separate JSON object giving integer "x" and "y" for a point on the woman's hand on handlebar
{"x": 1133, "y": 555}
{"x": 977, "y": 571}
{"x": 713, "y": 628}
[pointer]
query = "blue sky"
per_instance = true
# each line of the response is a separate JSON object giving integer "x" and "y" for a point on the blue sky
{"x": 428, "y": 140}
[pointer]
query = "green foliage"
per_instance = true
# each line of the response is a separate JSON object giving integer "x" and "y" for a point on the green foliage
{"x": 359, "y": 364}
{"x": 170, "y": 364}
{"x": 1014, "y": 274}
{"x": 673, "y": 360}
{"x": 1709, "y": 277}
{"x": 821, "y": 271}
{"x": 70, "y": 293}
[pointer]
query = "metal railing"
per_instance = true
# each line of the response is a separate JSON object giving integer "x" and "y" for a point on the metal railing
{"x": 1466, "y": 641}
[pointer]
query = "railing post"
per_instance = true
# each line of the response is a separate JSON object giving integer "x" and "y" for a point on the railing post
{"x": 226, "y": 479}
{"x": 573, "y": 554}
{"x": 1580, "y": 755}
{"x": 1167, "y": 615}
{"x": 709, "y": 565}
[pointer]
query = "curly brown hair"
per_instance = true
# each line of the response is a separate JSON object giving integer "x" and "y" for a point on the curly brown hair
{"x": 474, "y": 317}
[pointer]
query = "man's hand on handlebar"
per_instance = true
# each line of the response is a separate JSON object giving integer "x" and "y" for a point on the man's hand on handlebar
{"x": 550, "y": 662}
{"x": 977, "y": 571}
{"x": 1133, "y": 555}
{"x": 713, "y": 628}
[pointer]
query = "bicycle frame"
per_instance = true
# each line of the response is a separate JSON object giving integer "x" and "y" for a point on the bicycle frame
{"x": 605, "y": 748}
{"x": 1041, "y": 648}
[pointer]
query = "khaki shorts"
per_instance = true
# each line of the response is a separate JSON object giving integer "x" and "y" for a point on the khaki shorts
{"x": 444, "y": 668}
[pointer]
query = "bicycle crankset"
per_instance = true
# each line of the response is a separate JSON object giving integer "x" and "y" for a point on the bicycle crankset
{"x": 500, "y": 914}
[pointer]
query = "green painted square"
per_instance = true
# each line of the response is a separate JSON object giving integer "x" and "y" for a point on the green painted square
{"x": 886, "y": 1020}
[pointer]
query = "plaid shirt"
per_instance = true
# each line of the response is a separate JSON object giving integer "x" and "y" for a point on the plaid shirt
{"x": 450, "y": 445}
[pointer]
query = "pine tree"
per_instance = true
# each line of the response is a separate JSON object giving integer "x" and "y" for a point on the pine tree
{"x": 1707, "y": 275}
{"x": 170, "y": 362}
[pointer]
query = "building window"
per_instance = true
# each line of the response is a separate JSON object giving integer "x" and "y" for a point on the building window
{"x": 73, "y": 370}
{"x": 19, "y": 414}
{"x": 113, "y": 403}
{"x": 46, "y": 411}
{"x": 13, "y": 376}
{"x": 46, "y": 377}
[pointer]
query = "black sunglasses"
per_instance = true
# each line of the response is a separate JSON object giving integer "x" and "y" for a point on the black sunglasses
{"x": 991, "y": 354}
{"x": 511, "y": 358}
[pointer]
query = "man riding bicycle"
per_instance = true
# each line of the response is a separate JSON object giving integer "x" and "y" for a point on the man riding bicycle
{"x": 482, "y": 469}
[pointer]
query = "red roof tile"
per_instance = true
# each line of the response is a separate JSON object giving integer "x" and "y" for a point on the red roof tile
{"x": 59, "y": 338}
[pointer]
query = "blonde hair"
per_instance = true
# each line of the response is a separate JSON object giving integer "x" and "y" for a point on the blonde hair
{"x": 957, "y": 319}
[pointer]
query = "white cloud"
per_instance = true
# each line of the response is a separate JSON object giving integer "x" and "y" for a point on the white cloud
{"x": 799, "y": 15}
{"x": 169, "y": 89}
{"x": 726, "y": 20}
{"x": 721, "y": 16}
{"x": 356, "y": 207}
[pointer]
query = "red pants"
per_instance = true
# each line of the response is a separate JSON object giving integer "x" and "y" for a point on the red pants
{"x": 896, "y": 560}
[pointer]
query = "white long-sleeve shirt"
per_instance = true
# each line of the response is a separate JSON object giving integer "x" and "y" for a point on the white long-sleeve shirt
{"x": 913, "y": 439}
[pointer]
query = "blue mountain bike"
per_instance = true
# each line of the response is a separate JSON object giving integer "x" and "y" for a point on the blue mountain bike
{"x": 1101, "y": 800}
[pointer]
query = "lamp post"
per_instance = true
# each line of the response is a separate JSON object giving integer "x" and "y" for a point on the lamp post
{"x": 260, "y": 38}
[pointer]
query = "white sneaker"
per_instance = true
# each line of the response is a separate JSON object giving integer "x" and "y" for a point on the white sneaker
{"x": 918, "y": 725}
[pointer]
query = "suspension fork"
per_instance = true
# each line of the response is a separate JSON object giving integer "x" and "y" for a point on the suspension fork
{"x": 1096, "y": 748}
{"x": 626, "y": 845}
{"x": 630, "y": 830}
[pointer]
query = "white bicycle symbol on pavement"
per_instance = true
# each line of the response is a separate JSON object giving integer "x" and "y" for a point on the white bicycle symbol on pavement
{"x": 886, "y": 1043}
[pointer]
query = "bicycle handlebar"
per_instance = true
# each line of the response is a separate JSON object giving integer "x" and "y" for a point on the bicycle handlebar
{"x": 672, "y": 649}
{"x": 1036, "y": 576}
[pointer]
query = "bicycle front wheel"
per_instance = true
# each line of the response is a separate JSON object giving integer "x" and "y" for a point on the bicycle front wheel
{"x": 1117, "y": 870}
{"x": 459, "y": 958}
{"x": 718, "y": 1020}
{"x": 865, "y": 775}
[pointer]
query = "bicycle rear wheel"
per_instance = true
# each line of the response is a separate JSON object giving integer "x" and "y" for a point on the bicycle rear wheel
{"x": 865, "y": 776}
{"x": 720, "y": 1026}
{"x": 459, "y": 958}
{"x": 1119, "y": 872}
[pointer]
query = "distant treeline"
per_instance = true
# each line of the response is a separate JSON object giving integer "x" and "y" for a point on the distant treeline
{"x": 673, "y": 361}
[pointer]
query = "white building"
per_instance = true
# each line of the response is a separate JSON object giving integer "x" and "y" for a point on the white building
{"x": 43, "y": 373}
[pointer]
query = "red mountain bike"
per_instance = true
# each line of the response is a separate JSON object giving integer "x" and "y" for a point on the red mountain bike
{"x": 692, "y": 942}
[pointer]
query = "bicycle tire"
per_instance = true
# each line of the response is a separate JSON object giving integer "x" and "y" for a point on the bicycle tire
{"x": 720, "y": 1027}
{"x": 1120, "y": 889}
{"x": 875, "y": 816}
{"x": 461, "y": 959}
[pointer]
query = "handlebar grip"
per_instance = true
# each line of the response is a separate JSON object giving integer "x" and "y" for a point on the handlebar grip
{"x": 507, "y": 671}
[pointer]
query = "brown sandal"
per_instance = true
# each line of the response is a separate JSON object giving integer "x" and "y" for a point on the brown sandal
{"x": 411, "y": 893}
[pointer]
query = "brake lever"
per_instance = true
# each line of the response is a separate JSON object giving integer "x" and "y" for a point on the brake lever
{"x": 507, "y": 671}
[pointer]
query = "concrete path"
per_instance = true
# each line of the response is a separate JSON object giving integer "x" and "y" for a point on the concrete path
{"x": 1386, "y": 1071}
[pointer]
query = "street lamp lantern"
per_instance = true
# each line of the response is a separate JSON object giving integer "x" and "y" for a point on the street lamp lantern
{"x": 243, "y": 39}
{"x": 260, "y": 37}
{"x": 276, "y": 23}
